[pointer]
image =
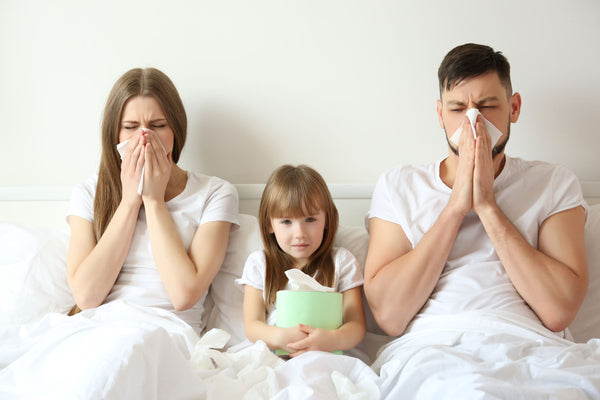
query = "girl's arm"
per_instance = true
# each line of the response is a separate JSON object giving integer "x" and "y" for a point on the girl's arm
{"x": 345, "y": 337}
{"x": 257, "y": 329}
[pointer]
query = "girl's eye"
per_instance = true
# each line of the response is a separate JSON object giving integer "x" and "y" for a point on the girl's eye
{"x": 285, "y": 221}
{"x": 129, "y": 127}
{"x": 159, "y": 126}
{"x": 311, "y": 219}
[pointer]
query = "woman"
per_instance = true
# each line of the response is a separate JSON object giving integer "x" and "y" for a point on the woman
{"x": 163, "y": 244}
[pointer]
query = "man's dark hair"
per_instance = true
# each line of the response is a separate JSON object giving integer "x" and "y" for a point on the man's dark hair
{"x": 470, "y": 60}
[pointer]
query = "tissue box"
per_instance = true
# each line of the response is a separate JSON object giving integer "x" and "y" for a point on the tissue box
{"x": 319, "y": 309}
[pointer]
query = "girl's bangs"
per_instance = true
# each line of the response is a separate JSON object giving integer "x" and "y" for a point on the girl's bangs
{"x": 294, "y": 203}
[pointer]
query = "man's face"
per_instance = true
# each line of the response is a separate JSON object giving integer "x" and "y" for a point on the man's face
{"x": 486, "y": 93}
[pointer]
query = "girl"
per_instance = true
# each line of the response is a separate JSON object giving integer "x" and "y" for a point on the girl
{"x": 298, "y": 223}
{"x": 161, "y": 247}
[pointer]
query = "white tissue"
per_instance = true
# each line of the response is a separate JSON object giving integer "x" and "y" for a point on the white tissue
{"x": 472, "y": 114}
{"x": 121, "y": 149}
{"x": 246, "y": 371}
{"x": 298, "y": 280}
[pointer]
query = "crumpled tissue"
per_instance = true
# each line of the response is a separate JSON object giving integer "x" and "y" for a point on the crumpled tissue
{"x": 245, "y": 371}
{"x": 121, "y": 149}
{"x": 472, "y": 114}
{"x": 299, "y": 281}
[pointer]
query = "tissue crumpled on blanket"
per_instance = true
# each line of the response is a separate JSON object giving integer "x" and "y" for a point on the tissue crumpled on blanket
{"x": 244, "y": 371}
{"x": 299, "y": 281}
{"x": 250, "y": 371}
{"x": 472, "y": 114}
{"x": 121, "y": 149}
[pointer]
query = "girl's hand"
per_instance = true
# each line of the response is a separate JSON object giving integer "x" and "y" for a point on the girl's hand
{"x": 131, "y": 169}
{"x": 158, "y": 168}
{"x": 290, "y": 335}
{"x": 316, "y": 339}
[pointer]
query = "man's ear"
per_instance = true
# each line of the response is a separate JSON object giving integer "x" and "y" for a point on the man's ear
{"x": 515, "y": 107}
{"x": 439, "y": 113}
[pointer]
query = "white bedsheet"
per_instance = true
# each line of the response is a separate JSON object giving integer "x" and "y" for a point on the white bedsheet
{"x": 121, "y": 351}
{"x": 488, "y": 356}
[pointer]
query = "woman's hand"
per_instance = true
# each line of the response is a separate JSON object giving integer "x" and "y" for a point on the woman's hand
{"x": 158, "y": 168}
{"x": 131, "y": 169}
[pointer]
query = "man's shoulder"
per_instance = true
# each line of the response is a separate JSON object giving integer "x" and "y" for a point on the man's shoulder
{"x": 538, "y": 168}
{"x": 408, "y": 170}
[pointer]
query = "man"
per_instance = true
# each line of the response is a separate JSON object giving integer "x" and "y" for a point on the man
{"x": 478, "y": 230}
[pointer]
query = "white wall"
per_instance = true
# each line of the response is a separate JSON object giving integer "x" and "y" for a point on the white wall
{"x": 348, "y": 87}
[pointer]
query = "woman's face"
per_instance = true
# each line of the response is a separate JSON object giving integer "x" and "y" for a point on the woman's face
{"x": 145, "y": 112}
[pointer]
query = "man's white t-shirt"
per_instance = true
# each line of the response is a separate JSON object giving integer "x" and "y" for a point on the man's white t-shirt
{"x": 528, "y": 192}
{"x": 204, "y": 199}
{"x": 348, "y": 274}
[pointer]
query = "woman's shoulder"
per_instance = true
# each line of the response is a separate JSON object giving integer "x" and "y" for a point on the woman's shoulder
{"x": 88, "y": 187}
{"x": 198, "y": 182}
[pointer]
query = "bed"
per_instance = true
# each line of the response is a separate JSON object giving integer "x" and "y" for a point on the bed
{"x": 122, "y": 351}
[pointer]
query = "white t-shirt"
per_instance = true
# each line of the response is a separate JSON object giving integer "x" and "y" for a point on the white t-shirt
{"x": 204, "y": 199}
{"x": 348, "y": 274}
{"x": 473, "y": 278}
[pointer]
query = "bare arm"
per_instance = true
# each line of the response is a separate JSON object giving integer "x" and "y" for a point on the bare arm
{"x": 93, "y": 267}
{"x": 186, "y": 276}
{"x": 400, "y": 279}
{"x": 552, "y": 279}
{"x": 257, "y": 329}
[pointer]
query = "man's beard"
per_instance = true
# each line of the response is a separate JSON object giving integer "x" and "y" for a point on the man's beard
{"x": 498, "y": 148}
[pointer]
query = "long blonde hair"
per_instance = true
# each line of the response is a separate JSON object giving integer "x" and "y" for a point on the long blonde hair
{"x": 135, "y": 82}
{"x": 290, "y": 192}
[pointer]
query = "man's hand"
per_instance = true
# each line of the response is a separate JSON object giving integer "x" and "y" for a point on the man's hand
{"x": 461, "y": 198}
{"x": 484, "y": 169}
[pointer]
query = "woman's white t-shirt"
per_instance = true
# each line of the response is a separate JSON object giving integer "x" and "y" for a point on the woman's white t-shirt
{"x": 348, "y": 274}
{"x": 204, "y": 199}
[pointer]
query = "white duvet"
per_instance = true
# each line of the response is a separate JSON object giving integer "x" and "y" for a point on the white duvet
{"x": 488, "y": 356}
{"x": 122, "y": 351}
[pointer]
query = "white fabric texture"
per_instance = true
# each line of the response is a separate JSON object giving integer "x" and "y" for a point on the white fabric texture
{"x": 473, "y": 278}
{"x": 348, "y": 274}
{"x": 487, "y": 355}
{"x": 203, "y": 200}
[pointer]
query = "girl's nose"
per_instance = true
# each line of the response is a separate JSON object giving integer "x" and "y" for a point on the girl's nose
{"x": 299, "y": 231}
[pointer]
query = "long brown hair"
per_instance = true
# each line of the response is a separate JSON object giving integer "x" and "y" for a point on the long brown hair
{"x": 135, "y": 82}
{"x": 291, "y": 192}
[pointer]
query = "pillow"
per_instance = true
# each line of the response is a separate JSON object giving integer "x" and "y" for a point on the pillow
{"x": 587, "y": 323}
{"x": 33, "y": 273}
{"x": 356, "y": 240}
{"x": 224, "y": 304}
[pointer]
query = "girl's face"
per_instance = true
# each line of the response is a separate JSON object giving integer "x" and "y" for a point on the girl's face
{"x": 145, "y": 112}
{"x": 299, "y": 237}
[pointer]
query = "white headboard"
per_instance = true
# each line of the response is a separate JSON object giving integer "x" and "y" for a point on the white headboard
{"x": 45, "y": 206}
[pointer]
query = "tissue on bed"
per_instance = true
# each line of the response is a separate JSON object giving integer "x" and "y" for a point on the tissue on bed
{"x": 298, "y": 280}
{"x": 121, "y": 149}
{"x": 472, "y": 114}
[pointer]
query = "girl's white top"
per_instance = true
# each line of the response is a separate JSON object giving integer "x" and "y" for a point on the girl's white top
{"x": 348, "y": 274}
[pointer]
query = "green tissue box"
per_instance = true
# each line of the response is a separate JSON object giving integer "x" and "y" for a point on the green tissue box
{"x": 318, "y": 309}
